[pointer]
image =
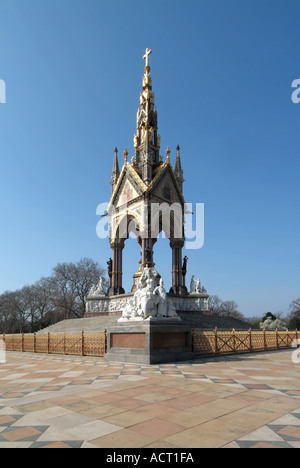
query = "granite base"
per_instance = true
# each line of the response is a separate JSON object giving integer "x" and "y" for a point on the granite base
{"x": 149, "y": 342}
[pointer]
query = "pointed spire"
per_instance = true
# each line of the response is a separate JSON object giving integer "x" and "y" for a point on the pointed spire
{"x": 116, "y": 171}
{"x": 178, "y": 169}
{"x": 146, "y": 139}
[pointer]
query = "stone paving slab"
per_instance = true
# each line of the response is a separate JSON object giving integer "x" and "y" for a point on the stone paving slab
{"x": 241, "y": 401}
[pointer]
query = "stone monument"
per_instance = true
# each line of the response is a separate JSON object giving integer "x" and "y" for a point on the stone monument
{"x": 147, "y": 198}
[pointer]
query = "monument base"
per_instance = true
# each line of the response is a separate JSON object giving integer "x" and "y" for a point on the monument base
{"x": 103, "y": 305}
{"x": 149, "y": 342}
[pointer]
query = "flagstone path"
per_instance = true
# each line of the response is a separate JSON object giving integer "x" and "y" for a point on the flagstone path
{"x": 241, "y": 401}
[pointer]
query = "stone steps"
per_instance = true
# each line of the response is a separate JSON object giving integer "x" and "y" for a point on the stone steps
{"x": 99, "y": 324}
{"x": 74, "y": 326}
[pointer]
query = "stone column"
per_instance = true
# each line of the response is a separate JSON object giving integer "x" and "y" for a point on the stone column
{"x": 117, "y": 272}
{"x": 109, "y": 270}
{"x": 147, "y": 252}
{"x": 178, "y": 286}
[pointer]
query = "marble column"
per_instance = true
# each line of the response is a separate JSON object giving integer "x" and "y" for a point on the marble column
{"x": 178, "y": 286}
{"x": 117, "y": 269}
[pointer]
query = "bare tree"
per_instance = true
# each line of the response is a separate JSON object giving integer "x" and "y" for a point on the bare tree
{"x": 215, "y": 305}
{"x": 295, "y": 306}
{"x": 294, "y": 316}
{"x": 229, "y": 308}
{"x": 72, "y": 283}
{"x": 39, "y": 302}
{"x": 27, "y": 301}
{"x": 19, "y": 308}
{"x": 8, "y": 315}
{"x": 44, "y": 303}
{"x": 62, "y": 295}
{"x": 224, "y": 308}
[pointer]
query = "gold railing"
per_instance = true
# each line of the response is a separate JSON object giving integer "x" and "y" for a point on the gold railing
{"x": 218, "y": 342}
{"x": 204, "y": 342}
{"x": 83, "y": 344}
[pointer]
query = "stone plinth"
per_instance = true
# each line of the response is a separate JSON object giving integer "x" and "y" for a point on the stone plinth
{"x": 151, "y": 341}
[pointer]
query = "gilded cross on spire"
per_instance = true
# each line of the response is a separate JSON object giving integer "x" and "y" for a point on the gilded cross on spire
{"x": 146, "y": 56}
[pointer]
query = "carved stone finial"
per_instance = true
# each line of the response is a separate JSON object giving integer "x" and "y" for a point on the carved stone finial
{"x": 125, "y": 154}
{"x": 168, "y": 152}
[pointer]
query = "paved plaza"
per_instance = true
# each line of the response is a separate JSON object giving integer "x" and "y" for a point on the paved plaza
{"x": 83, "y": 402}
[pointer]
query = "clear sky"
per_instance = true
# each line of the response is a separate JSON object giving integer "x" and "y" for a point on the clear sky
{"x": 222, "y": 72}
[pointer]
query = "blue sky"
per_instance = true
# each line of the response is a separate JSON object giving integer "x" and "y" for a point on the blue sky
{"x": 222, "y": 73}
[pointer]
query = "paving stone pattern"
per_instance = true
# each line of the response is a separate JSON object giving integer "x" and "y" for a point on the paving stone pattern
{"x": 243, "y": 401}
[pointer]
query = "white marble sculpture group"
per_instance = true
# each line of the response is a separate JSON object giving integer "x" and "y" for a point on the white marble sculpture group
{"x": 99, "y": 289}
{"x": 195, "y": 287}
{"x": 149, "y": 300}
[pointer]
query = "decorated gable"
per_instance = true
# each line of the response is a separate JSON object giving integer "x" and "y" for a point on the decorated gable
{"x": 166, "y": 188}
{"x": 127, "y": 194}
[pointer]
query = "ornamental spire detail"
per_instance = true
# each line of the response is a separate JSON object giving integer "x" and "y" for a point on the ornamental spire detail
{"x": 146, "y": 139}
{"x": 178, "y": 169}
{"x": 116, "y": 171}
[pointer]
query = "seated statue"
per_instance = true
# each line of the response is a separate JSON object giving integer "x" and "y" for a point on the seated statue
{"x": 149, "y": 300}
